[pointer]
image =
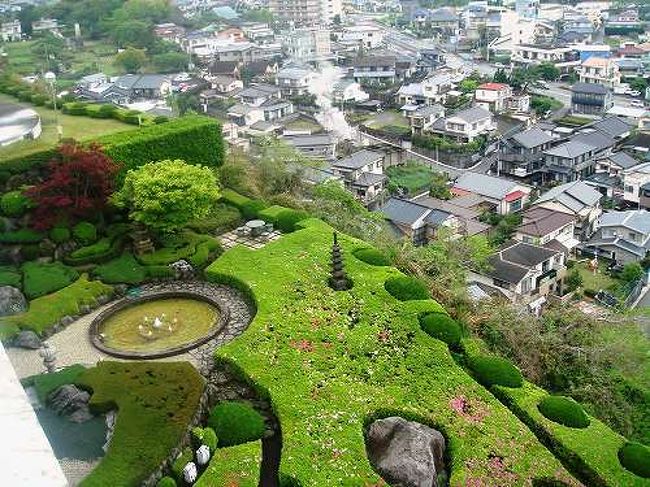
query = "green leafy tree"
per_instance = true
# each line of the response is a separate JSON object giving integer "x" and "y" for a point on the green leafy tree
{"x": 439, "y": 187}
{"x": 639, "y": 84}
{"x": 468, "y": 85}
{"x": 500, "y": 76}
{"x": 133, "y": 33}
{"x": 49, "y": 51}
{"x": 164, "y": 196}
{"x": 573, "y": 280}
{"x": 131, "y": 60}
{"x": 632, "y": 272}
{"x": 170, "y": 62}
{"x": 548, "y": 71}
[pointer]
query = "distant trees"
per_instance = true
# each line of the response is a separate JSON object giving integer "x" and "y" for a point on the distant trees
{"x": 131, "y": 60}
{"x": 170, "y": 62}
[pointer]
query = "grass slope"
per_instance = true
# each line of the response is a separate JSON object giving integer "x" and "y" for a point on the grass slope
{"x": 332, "y": 361}
{"x": 155, "y": 403}
{"x": 220, "y": 470}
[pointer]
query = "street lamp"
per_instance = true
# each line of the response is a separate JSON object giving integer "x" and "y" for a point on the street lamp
{"x": 50, "y": 77}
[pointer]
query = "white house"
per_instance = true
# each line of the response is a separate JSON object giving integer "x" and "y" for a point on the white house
{"x": 633, "y": 179}
{"x": 493, "y": 96}
{"x": 363, "y": 174}
{"x": 293, "y": 81}
{"x": 10, "y": 31}
{"x": 622, "y": 236}
{"x": 600, "y": 71}
{"x": 348, "y": 90}
{"x": 368, "y": 36}
{"x": 430, "y": 91}
{"x": 468, "y": 124}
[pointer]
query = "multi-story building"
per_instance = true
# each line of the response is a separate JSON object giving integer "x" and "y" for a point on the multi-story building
{"x": 622, "y": 236}
{"x": 10, "y": 31}
{"x": 429, "y": 91}
{"x": 307, "y": 12}
{"x": 565, "y": 58}
{"x": 375, "y": 69}
{"x": 307, "y": 44}
{"x": 600, "y": 71}
{"x": 422, "y": 117}
{"x": 577, "y": 158}
{"x": 293, "y": 81}
{"x": 466, "y": 125}
{"x": 500, "y": 194}
{"x": 542, "y": 226}
{"x": 522, "y": 154}
{"x": 634, "y": 179}
{"x": 591, "y": 99}
{"x": 363, "y": 175}
{"x": 366, "y": 36}
{"x": 258, "y": 32}
{"x": 527, "y": 9}
{"x": 493, "y": 96}
{"x": 317, "y": 146}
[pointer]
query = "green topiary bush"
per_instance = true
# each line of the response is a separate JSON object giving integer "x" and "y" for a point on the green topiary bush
{"x": 406, "y": 288}
{"x": 166, "y": 482}
{"x": 125, "y": 269}
{"x": 22, "y": 236}
{"x": 235, "y": 423}
{"x": 441, "y": 327}
{"x": 14, "y": 203}
{"x": 563, "y": 410}
{"x": 85, "y": 233}
{"x": 251, "y": 208}
{"x": 40, "y": 279}
{"x": 204, "y": 436}
{"x": 177, "y": 467}
{"x": 287, "y": 220}
{"x": 495, "y": 371}
{"x": 635, "y": 457}
{"x": 60, "y": 235}
{"x": 10, "y": 276}
{"x": 371, "y": 256}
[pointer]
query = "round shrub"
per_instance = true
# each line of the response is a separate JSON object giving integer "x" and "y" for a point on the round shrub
{"x": 166, "y": 482}
{"x": 85, "y": 233}
{"x": 635, "y": 457}
{"x": 59, "y": 235}
{"x": 442, "y": 327}
{"x": 371, "y": 256}
{"x": 251, "y": 208}
{"x": 286, "y": 220}
{"x": 235, "y": 423}
{"x": 210, "y": 439}
{"x": 14, "y": 203}
{"x": 495, "y": 371}
{"x": 563, "y": 410}
{"x": 406, "y": 288}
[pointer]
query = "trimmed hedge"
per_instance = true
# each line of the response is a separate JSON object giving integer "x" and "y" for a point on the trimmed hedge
{"x": 40, "y": 279}
{"x": 166, "y": 482}
{"x": 564, "y": 410}
{"x": 635, "y": 457}
{"x": 371, "y": 256}
{"x": 101, "y": 251}
{"x": 194, "y": 139}
{"x": 156, "y": 402}
{"x": 204, "y": 436}
{"x": 22, "y": 236}
{"x": 406, "y": 288}
{"x": 491, "y": 371}
{"x": 85, "y": 233}
{"x": 60, "y": 235}
{"x": 251, "y": 209}
{"x": 10, "y": 276}
{"x": 124, "y": 270}
{"x": 232, "y": 198}
{"x": 284, "y": 219}
{"x": 235, "y": 423}
{"x": 441, "y": 327}
{"x": 46, "y": 311}
{"x": 222, "y": 218}
{"x": 14, "y": 203}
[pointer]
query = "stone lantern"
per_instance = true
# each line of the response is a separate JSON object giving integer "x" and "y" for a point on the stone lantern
{"x": 48, "y": 353}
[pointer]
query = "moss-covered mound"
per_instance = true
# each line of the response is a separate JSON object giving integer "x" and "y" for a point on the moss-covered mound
{"x": 371, "y": 256}
{"x": 635, "y": 457}
{"x": 495, "y": 371}
{"x": 406, "y": 288}
{"x": 564, "y": 410}
{"x": 235, "y": 423}
{"x": 40, "y": 279}
{"x": 441, "y": 327}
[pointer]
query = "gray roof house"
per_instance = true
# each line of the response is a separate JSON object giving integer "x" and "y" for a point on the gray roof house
{"x": 506, "y": 196}
{"x": 578, "y": 199}
{"x": 576, "y": 158}
{"x": 363, "y": 174}
{"x": 415, "y": 221}
{"x": 522, "y": 154}
{"x": 319, "y": 146}
{"x": 591, "y": 98}
{"x": 622, "y": 236}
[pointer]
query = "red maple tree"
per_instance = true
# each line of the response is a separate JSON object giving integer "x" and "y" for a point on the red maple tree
{"x": 80, "y": 181}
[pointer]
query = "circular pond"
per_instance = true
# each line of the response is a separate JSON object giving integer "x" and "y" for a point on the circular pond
{"x": 158, "y": 325}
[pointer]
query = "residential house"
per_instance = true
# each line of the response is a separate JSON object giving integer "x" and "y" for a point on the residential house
{"x": 10, "y": 31}
{"x": 577, "y": 199}
{"x": 243, "y": 52}
{"x": 634, "y": 179}
{"x": 493, "y": 96}
{"x": 503, "y": 195}
{"x": 622, "y": 236}
{"x": 169, "y": 32}
{"x": 231, "y": 34}
{"x": 518, "y": 103}
{"x": 260, "y": 71}
{"x": 363, "y": 175}
{"x": 136, "y": 87}
{"x": 293, "y": 80}
{"x": 228, "y": 68}
{"x": 468, "y": 218}
{"x": 525, "y": 273}
{"x": 43, "y": 25}
{"x": 591, "y": 99}
{"x": 225, "y": 85}
{"x": 444, "y": 22}
{"x": 548, "y": 228}
{"x": 626, "y": 22}
{"x": 307, "y": 44}
{"x": 615, "y": 163}
{"x": 527, "y": 9}
{"x": 578, "y": 23}
{"x": 347, "y": 90}
{"x": 644, "y": 197}
{"x": 600, "y": 71}
{"x": 245, "y": 115}
{"x": 615, "y": 127}
{"x": 259, "y": 93}
{"x": 318, "y": 146}
{"x": 431, "y": 60}
{"x": 306, "y": 12}
{"x": 258, "y": 32}
{"x": 415, "y": 221}
{"x": 522, "y": 154}
{"x": 375, "y": 69}
{"x": 422, "y": 117}
{"x": 576, "y": 158}
{"x": 466, "y": 125}
{"x": 429, "y": 91}
{"x": 366, "y": 36}
{"x": 91, "y": 80}
{"x": 630, "y": 68}
{"x": 565, "y": 58}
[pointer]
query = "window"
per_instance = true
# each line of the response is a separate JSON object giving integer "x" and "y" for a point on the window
{"x": 546, "y": 265}
{"x": 629, "y": 189}
{"x": 525, "y": 285}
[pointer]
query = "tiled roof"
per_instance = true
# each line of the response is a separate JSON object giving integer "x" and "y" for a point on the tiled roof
{"x": 525, "y": 254}
{"x": 593, "y": 88}
{"x": 484, "y": 185}
{"x": 538, "y": 221}
{"x": 575, "y": 196}
{"x": 532, "y": 137}
{"x": 359, "y": 159}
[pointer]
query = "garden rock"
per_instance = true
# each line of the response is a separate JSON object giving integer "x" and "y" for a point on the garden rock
{"x": 27, "y": 339}
{"x": 69, "y": 400}
{"x": 12, "y": 301}
{"x": 406, "y": 453}
{"x": 183, "y": 269}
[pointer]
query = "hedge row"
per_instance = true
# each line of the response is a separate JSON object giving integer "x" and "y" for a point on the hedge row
{"x": 406, "y": 288}
{"x": 125, "y": 269}
{"x": 284, "y": 219}
{"x": 195, "y": 139}
{"x": 156, "y": 402}
{"x": 103, "y": 250}
{"x": 133, "y": 117}
{"x": 46, "y": 311}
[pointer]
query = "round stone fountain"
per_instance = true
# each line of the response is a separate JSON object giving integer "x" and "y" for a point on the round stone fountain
{"x": 158, "y": 325}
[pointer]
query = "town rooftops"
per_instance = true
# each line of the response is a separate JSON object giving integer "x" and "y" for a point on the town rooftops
{"x": 538, "y": 221}
{"x": 623, "y": 160}
{"x": 470, "y": 115}
{"x": 293, "y": 73}
{"x": 428, "y": 110}
{"x": 443, "y": 15}
{"x": 525, "y": 254}
{"x": 407, "y": 212}
{"x": 597, "y": 62}
{"x": 259, "y": 91}
{"x": 309, "y": 140}
{"x": 570, "y": 149}
{"x": 612, "y": 126}
{"x": 141, "y": 81}
{"x": 533, "y": 137}
{"x": 643, "y": 168}
{"x": 367, "y": 179}
{"x": 637, "y": 220}
{"x": 575, "y": 196}
{"x": 590, "y": 88}
{"x": 359, "y": 159}
{"x": 484, "y": 185}
{"x": 375, "y": 61}
{"x": 493, "y": 86}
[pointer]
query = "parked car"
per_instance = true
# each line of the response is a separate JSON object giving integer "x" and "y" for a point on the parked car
{"x": 637, "y": 104}
{"x": 633, "y": 93}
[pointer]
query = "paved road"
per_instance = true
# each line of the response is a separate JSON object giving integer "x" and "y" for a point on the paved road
{"x": 562, "y": 92}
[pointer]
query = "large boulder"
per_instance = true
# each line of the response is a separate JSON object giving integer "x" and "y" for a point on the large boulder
{"x": 12, "y": 301}
{"x": 68, "y": 400}
{"x": 27, "y": 339}
{"x": 406, "y": 453}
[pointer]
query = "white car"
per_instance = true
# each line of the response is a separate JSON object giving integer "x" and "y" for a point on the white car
{"x": 637, "y": 104}
{"x": 633, "y": 93}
